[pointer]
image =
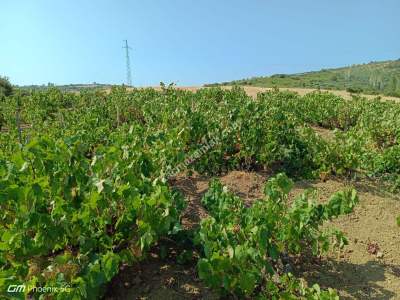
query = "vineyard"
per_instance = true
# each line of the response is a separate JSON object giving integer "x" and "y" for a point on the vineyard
{"x": 88, "y": 186}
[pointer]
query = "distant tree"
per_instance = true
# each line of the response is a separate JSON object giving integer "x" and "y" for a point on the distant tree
{"x": 6, "y": 88}
{"x": 398, "y": 84}
{"x": 354, "y": 90}
{"x": 380, "y": 82}
{"x": 392, "y": 84}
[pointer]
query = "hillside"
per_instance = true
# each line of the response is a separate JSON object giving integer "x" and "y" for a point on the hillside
{"x": 373, "y": 78}
{"x": 67, "y": 87}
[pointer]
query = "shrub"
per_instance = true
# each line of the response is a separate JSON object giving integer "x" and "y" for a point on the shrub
{"x": 242, "y": 246}
{"x": 354, "y": 90}
{"x": 6, "y": 88}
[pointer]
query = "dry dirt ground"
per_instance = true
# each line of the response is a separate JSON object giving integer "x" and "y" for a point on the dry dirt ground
{"x": 368, "y": 268}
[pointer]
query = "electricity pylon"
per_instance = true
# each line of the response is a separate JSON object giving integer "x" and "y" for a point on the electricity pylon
{"x": 128, "y": 64}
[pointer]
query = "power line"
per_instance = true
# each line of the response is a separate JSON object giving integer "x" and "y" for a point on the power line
{"x": 128, "y": 64}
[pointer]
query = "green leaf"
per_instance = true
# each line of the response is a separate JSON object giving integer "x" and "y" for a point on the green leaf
{"x": 273, "y": 252}
{"x": 99, "y": 183}
{"x": 247, "y": 283}
{"x": 110, "y": 264}
{"x": 146, "y": 240}
{"x": 230, "y": 251}
{"x": 205, "y": 269}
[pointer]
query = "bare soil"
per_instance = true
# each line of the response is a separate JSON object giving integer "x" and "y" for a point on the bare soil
{"x": 157, "y": 278}
{"x": 357, "y": 272}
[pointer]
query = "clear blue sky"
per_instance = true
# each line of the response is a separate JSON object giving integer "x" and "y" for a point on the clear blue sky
{"x": 190, "y": 42}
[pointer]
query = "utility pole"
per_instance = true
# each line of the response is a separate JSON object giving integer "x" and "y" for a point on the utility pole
{"x": 18, "y": 120}
{"x": 128, "y": 64}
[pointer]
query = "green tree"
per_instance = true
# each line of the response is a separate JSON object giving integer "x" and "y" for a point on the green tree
{"x": 6, "y": 88}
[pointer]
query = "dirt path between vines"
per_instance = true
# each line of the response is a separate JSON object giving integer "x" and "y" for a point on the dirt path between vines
{"x": 368, "y": 268}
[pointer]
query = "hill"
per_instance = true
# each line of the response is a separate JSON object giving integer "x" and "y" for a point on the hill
{"x": 372, "y": 78}
{"x": 67, "y": 87}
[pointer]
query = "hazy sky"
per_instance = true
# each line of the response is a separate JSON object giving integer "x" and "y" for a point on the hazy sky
{"x": 190, "y": 42}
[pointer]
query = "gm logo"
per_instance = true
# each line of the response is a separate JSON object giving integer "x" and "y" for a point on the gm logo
{"x": 13, "y": 288}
